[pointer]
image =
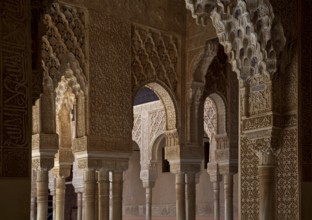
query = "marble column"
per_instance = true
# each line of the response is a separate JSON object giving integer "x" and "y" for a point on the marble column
{"x": 53, "y": 206}
{"x": 216, "y": 200}
{"x": 148, "y": 200}
{"x": 96, "y": 201}
{"x": 79, "y": 206}
{"x": 266, "y": 182}
{"x": 116, "y": 204}
{"x": 180, "y": 196}
{"x": 103, "y": 193}
{"x": 228, "y": 196}
{"x": 33, "y": 195}
{"x": 33, "y": 208}
{"x": 191, "y": 196}
{"x": 60, "y": 197}
{"x": 42, "y": 194}
{"x": 89, "y": 193}
{"x": 83, "y": 211}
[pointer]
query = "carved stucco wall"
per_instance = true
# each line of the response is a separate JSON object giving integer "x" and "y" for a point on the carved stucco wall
{"x": 305, "y": 108}
{"x": 110, "y": 87}
{"x": 305, "y": 90}
{"x": 162, "y": 14}
{"x": 15, "y": 108}
{"x": 110, "y": 29}
{"x": 15, "y": 92}
{"x": 155, "y": 56}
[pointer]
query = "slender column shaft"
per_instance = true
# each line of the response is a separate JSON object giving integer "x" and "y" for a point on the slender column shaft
{"x": 60, "y": 198}
{"x": 228, "y": 197}
{"x": 148, "y": 196}
{"x": 216, "y": 200}
{"x": 191, "y": 196}
{"x": 266, "y": 177}
{"x": 96, "y": 201}
{"x": 116, "y": 195}
{"x": 54, "y": 206}
{"x": 89, "y": 194}
{"x": 83, "y": 212}
{"x": 32, "y": 208}
{"x": 79, "y": 206}
{"x": 42, "y": 194}
{"x": 103, "y": 189}
{"x": 180, "y": 196}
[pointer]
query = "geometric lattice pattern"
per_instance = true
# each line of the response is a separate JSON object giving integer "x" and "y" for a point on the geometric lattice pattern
{"x": 210, "y": 118}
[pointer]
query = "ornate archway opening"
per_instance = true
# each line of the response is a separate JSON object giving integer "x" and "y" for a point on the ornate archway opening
{"x": 154, "y": 115}
{"x": 214, "y": 125}
{"x": 59, "y": 117}
{"x": 254, "y": 41}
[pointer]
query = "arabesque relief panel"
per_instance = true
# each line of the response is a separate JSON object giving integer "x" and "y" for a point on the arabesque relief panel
{"x": 15, "y": 84}
{"x": 110, "y": 80}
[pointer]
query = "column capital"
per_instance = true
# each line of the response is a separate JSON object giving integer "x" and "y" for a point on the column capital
{"x": 267, "y": 157}
{"x": 44, "y": 141}
{"x": 64, "y": 156}
{"x": 40, "y": 163}
{"x": 110, "y": 164}
{"x": 62, "y": 171}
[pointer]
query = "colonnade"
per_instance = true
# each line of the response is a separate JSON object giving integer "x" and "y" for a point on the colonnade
{"x": 185, "y": 188}
{"x": 100, "y": 198}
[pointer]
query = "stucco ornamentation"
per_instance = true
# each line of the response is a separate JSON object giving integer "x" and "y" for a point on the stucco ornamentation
{"x": 155, "y": 56}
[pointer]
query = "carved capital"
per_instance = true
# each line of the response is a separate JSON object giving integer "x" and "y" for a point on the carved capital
{"x": 62, "y": 171}
{"x": 42, "y": 163}
{"x": 45, "y": 141}
{"x": 111, "y": 164}
{"x": 223, "y": 141}
{"x": 64, "y": 156}
{"x": 148, "y": 174}
{"x": 94, "y": 143}
{"x": 213, "y": 168}
{"x": 267, "y": 157}
{"x": 80, "y": 144}
{"x": 266, "y": 145}
{"x": 196, "y": 93}
{"x": 172, "y": 138}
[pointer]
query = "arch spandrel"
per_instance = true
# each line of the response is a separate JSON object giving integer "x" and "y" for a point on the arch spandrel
{"x": 169, "y": 104}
